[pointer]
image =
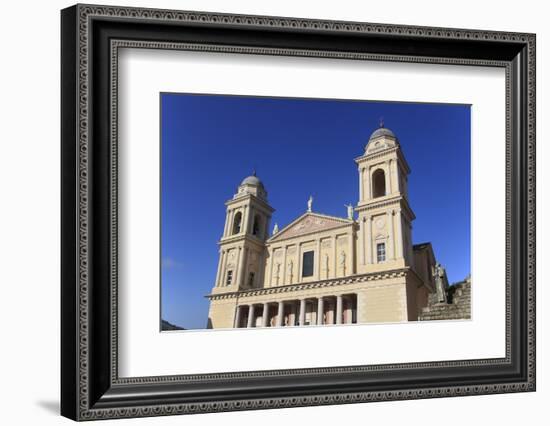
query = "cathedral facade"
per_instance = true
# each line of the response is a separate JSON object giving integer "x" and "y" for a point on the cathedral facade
{"x": 321, "y": 269}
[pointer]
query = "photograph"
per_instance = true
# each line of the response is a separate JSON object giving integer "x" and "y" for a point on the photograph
{"x": 283, "y": 212}
{"x": 320, "y": 186}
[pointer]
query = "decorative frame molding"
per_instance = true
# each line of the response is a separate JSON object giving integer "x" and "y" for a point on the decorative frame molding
{"x": 91, "y": 37}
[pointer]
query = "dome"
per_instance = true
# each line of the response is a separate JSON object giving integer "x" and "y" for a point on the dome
{"x": 251, "y": 185}
{"x": 381, "y": 138}
{"x": 252, "y": 180}
{"x": 382, "y": 131}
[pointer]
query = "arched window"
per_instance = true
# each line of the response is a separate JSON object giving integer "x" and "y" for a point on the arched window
{"x": 237, "y": 223}
{"x": 256, "y": 225}
{"x": 378, "y": 183}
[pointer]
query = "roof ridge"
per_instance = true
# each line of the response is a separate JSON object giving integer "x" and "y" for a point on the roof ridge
{"x": 343, "y": 219}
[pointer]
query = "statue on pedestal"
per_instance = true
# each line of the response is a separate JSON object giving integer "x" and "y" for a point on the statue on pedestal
{"x": 309, "y": 203}
{"x": 440, "y": 283}
{"x": 350, "y": 210}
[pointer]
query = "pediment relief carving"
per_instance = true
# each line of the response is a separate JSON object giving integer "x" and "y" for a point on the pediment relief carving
{"x": 310, "y": 222}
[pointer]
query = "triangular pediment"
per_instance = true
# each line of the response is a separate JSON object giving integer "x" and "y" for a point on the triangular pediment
{"x": 308, "y": 223}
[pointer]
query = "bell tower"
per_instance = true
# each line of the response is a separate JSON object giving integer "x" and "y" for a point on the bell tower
{"x": 384, "y": 214}
{"x": 242, "y": 252}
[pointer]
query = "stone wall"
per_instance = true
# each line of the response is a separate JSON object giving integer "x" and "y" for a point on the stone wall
{"x": 459, "y": 306}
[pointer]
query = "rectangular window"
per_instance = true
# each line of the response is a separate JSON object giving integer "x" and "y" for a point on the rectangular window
{"x": 229, "y": 278}
{"x": 381, "y": 252}
{"x": 251, "y": 279}
{"x": 307, "y": 268}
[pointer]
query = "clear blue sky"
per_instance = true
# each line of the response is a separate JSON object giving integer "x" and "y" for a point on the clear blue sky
{"x": 298, "y": 147}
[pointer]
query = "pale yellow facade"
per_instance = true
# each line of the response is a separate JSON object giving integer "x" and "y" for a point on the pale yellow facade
{"x": 320, "y": 269}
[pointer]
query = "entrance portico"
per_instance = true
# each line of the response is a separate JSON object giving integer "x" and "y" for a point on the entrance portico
{"x": 325, "y": 310}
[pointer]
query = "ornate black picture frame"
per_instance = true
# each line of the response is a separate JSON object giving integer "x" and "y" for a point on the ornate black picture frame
{"x": 91, "y": 388}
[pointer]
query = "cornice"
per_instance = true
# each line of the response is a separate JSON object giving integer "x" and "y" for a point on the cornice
{"x": 388, "y": 202}
{"x": 375, "y": 155}
{"x": 241, "y": 237}
{"x": 335, "y": 282}
{"x": 382, "y": 153}
{"x": 251, "y": 197}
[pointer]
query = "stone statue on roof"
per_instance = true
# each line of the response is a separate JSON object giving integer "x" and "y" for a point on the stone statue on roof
{"x": 350, "y": 210}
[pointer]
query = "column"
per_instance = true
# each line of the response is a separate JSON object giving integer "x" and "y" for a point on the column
{"x": 233, "y": 212}
{"x": 399, "y": 239}
{"x": 283, "y": 280}
{"x": 339, "y": 309}
{"x": 361, "y": 177}
{"x": 396, "y": 174}
{"x": 369, "y": 183}
{"x": 358, "y": 299}
{"x": 240, "y": 268}
{"x": 263, "y": 267}
{"x": 223, "y": 269}
{"x": 349, "y": 310}
{"x": 280, "y": 313}
{"x": 361, "y": 240}
{"x": 270, "y": 272}
{"x": 250, "y": 221}
{"x": 334, "y": 257}
{"x": 369, "y": 239}
{"x": 302, "y": 317}
{"x": 237, "y": 316}
{"x": 390, "y": 191}
{"x": 299, "y": 264}
{"x": 227, "y": 220}
{"x": 346, "y": 310}
{"x": 357, "y": 304}
{"x": 409, "y": 246}
{"x": 217, "y": 283}
{"x": 229, "y": 223}
{"x": 320, "y": 311}
{"x": 244, "y": 220}
{"x": 351, "y": 254}
{"x": 244, "y": 267}
{"x": 387, "y": 176}
{"x": 265, "y": 316}
{"x": 250, "y": 316}
{"x": 390, "y": 254}
{"x": 318, "y": 257}
{"x": 236, "y": 272}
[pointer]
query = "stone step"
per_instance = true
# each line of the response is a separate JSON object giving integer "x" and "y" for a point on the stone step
{"x": 446, "y": 313}
{"x": 459, "y": 306}
{"x": 445, "y": 318}
{"x": 435, "y": 308}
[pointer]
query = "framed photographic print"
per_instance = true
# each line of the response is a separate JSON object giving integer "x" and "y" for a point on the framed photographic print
{"x": 265, "y": 212}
